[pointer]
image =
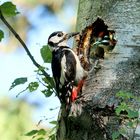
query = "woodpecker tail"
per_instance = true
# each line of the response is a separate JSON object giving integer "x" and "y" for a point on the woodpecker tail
{"x": 74, "y": 91}
{"x": 70, "y": 92}
{"x": 65, "y": 93}
{"x": 69, "y": 89}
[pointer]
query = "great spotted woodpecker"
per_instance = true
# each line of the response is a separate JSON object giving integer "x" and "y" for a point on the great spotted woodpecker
{"x": 66, "y": 68}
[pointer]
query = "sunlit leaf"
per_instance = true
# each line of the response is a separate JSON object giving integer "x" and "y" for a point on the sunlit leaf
{"x": 46, "y": 54}
{"x": 18, "y": 81}
{"x": 8, "y": 9}
{"x": 31, "y": 133}
{"x": 33, "y": 86}
{"x": 42, "y": 132}
{"x": 1, "y": 35}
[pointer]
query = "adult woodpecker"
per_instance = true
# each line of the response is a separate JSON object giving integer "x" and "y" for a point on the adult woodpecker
{"x": 66, "y": 68}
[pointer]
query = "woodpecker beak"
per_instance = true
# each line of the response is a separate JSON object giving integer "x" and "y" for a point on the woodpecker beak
{"x": 69, "y": 35}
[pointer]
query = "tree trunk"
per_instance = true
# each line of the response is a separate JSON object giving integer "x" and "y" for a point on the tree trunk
{"x": 93, "y": 116}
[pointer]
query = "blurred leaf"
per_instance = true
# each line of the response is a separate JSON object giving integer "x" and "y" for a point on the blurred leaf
{"x": 54, "y": 129}
{"x": 118, "y": 110}
{"x": 41, "y": 139}
{"x": 53, "y": 122}
{"x": 51, "y": 109}
{"x": 8, "y": 9}
{"x": 42, "y": 132}
{"x": 115, "y": 135}
{"x": 1, "y": 35}
{"x": 33, "y": 86}
{"x": 130, "y": 124}
{"x": 49, "y": 80}
{"x": 18, "y": 81}
{"x": 41, "y": 68}
{"x": 47, "y": 92}
{"x": 133, "y": 114}
{"x": 50, "y": 86}
{"x": 125, "y": 95}
{"x": 52, "y": 137}
{"x": 122, "y": 107}
{"x": 46, "y": 54}
{"x": 31, "y": 133}
{"x": 123, "y": 131}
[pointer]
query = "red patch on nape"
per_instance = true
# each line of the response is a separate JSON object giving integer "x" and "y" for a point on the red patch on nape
{"x": 74, "y": 94}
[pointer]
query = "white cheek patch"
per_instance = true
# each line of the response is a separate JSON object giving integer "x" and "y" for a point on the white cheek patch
{"x": 55, "y": 39}
{"x": 64, "y": 43}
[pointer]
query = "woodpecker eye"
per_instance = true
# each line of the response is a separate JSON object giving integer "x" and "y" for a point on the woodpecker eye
{"x": 60, "y": 34}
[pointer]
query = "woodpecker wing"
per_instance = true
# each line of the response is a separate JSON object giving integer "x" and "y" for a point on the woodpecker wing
{"x": 70, "y": 70}
{"x": 64, "y": 70}
{"x": 56, "y": 67}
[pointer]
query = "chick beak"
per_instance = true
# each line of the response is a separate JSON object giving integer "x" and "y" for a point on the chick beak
{"x": 69, "y": 35}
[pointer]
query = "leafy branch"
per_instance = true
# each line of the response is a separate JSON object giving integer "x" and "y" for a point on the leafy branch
{"x": 23, "y": 44}
{"x": 8, "y": 9}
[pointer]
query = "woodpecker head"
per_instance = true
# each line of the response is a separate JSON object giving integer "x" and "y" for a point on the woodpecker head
{"x": 59, "y": 38}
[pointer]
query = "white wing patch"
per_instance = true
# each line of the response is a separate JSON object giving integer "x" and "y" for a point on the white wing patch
{"x": 63, "y": 70}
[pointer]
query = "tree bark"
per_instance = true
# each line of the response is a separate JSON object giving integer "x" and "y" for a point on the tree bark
{"x": 92, "y": 117}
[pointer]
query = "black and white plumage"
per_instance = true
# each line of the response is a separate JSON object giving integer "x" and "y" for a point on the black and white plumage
{"x": 66, "y": 68}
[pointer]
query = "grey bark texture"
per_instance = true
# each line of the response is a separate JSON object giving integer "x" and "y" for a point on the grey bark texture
{"x": 120, "y": 71}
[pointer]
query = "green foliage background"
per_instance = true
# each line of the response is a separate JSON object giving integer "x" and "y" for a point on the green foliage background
{"x": 15, "y": 119}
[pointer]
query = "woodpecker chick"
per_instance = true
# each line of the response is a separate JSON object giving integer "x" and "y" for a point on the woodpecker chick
{"x": 104, "y": 43}
{"x": 107, "y": 41}
{"x": 66, "y": 68}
